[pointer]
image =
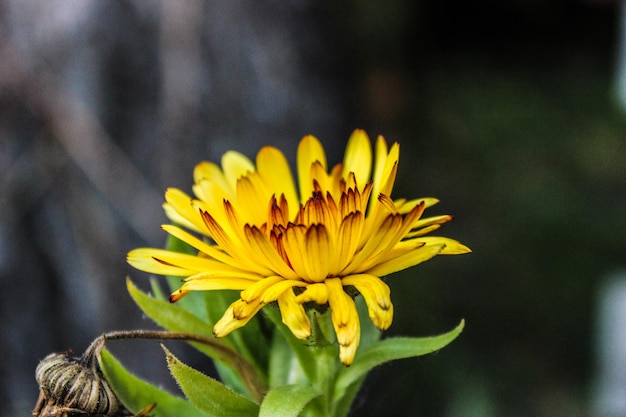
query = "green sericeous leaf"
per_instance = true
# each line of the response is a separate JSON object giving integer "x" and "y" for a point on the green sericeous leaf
{"x": 135, "y": 393}
{"x": 287, "y": 401}
{"x": 243, "y": 376}
{"x": 388, "y": 350}
{"x": 208, "y": 394}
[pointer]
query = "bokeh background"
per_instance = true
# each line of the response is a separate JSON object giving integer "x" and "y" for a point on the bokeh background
{"x": 509, "y": 112}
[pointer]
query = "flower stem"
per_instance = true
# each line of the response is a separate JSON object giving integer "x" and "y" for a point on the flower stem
{"x": 326, "y": 365}
{"x": 250, "y": 376}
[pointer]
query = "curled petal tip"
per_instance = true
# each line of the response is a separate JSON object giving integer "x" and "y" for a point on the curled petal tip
{"x": 176, "y": 295}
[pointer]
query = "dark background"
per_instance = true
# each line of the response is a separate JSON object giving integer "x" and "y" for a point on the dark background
{"x": 505, "y": 111}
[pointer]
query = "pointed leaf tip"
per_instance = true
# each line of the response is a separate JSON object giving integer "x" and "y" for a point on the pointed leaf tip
{"x": 392, "y": 349}
{"x": 208, "y": 394}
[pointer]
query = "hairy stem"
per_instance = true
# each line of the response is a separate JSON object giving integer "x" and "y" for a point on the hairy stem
{"x": 251, "y": 378}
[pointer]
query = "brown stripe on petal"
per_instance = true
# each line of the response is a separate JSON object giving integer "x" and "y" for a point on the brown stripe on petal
{"x": 364, "y": 195}
{"x": 348, "y": 238}
{"x": 332, "y": 209}
{"x": 276, "y": 237}
{"x": 161, "y": 261}
{"x": 387, "y": 202}
{"x": 217, "y": 232}
{"x": 231, "y": 215}
{"x": 278, "y": 212}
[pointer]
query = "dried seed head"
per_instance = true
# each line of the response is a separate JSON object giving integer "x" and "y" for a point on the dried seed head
{"x": 73, "y": 385}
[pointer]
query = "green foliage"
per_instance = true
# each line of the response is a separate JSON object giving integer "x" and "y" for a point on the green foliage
{"x": 207, "y": 394}
{"x": 392, "y": 349}
{"x": 136, "y": 393}
{"x": 171, "y": 316}
{"x": 305, "y": 354}
{"x": 287, "y": 400}
{"x": 305, "y": 376}
{"x": 235, "y": 369}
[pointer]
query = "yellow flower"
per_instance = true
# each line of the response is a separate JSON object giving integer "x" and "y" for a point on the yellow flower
{"x": 294, "y": 245}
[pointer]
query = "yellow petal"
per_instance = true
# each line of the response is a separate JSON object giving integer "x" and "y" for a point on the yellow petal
{"x": 404, "y": 206}
{"x": 345, "y": 320}
{"x": 147, "y": 260}
{"x": 210, "y": 184}
{"x": 165, "y": 262}
{"x": 211, "y": 251}
{"x": 358, "y": 157}
{"x": 385, "y": 166}
{"x": 278, "y": 211}
{"x": 314, "y": 292}
{"x": 243, "y": 309}
{"x": 274, "y": 292}
{"x": 379, "y": 161}
{"x": 234, "y": 249}
{"x": 319, "y": 253}
{"x": 294, "y": 316}
{"x": 452, "y": 247}
{"x": 375, "y": 244}
{"x": 377, "y": 297}
{"x": 401, "y": 248}
{"x": 230, "y": 322}
{"x": 348, "y": 239}
{"x": 318, "y": 176}
{"x": 316, "y": 211}
{"x": 256, "y": 291}
{"x": 430, "y": 221}
{"x": 180, "y": 209}
{"x": 393, "y": 237}
{"x": 390, "y": 170}
{"x": 405, "y": 261}
{"x": 252, "y": 197}
{"x": 294, "y": 243}
{"x": 265, "y": 253}
{"x": 204, "y": 282}
{"x": 235, "y": 165}
{"x": 274, "y": 169}
{"x": 422, "y": 231}
{"x": 310, "y": 150}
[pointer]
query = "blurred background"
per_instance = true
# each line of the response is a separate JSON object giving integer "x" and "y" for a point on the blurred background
{"x": 511, "y": 113}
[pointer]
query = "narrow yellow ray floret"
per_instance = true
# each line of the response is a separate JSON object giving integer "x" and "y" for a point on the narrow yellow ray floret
{"x": 276, "y": 241}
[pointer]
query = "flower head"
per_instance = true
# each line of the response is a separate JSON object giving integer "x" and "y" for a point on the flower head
{"x": 338, "y": 229}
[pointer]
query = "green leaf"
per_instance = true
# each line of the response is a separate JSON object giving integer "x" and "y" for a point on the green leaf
{"x": 301, "y": 349}
{"x": 388, "y": 350}
{"x": 172, "y": 317}
{"x": 283, "y": 365}
{"x": 157, "y": 291}
{"x": 176, "y": 319}
{"x": 136, "y": 393}
{"x": 343, "y": 404}
{"x": 287, "y": 401}
{"x": 207, "y": 394}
